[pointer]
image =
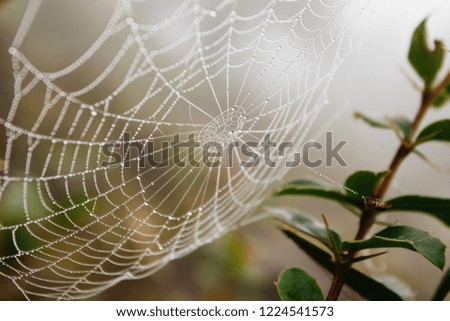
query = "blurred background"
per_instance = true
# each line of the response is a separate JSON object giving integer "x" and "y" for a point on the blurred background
{"x": 244, "y": 264}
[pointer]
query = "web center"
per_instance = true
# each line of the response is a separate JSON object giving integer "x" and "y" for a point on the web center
{"x": 225, "y": 128}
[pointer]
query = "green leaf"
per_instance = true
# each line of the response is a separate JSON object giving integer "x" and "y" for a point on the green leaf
{"x": 403, "y": 126}
{"x": 318, "y": 254}
{"x": 443, "y": 98}
{"x": 443, "y": 288}
{"x": 405, "y": 237}
{"x": 314, "y": 188}
{"x": 438, "y": 131}
{"x": 363, "y": 182}
{"x": 372, "y": 122}
{"x": 358, "y": 281}
{"x": 426, "y": 62}
{"x": 307, "y": 225}
{"x": 297, "y": 285}
{"x": 436, "y": 207}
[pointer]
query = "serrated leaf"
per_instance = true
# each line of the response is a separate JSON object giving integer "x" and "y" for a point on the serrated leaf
{"x": 436, "y": 207}
{"x": 426, "y": 62}
{"x": 438, "y": 131}
{"x": 443, "y": 288}
{"x": 314, "y": 188}
{"x": 363, "y": 182}
{"x": 358, "y": 281}
{"x": 297, "y": 285}
{"x": 307, "y": 225}
{"x": 405, "y": 237}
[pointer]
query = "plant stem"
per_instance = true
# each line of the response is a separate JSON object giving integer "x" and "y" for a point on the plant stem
{"x": 368, "y": 218}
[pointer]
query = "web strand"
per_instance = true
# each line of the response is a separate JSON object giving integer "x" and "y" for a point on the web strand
{"x": 227, "y": 72}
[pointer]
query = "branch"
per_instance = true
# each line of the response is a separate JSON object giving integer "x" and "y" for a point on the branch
{"x": 369, "y": 216}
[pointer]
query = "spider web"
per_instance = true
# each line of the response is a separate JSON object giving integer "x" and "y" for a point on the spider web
{"x": 222, "y": 70}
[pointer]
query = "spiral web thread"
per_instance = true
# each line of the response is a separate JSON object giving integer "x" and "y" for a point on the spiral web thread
{"x": 222, "y": 70}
